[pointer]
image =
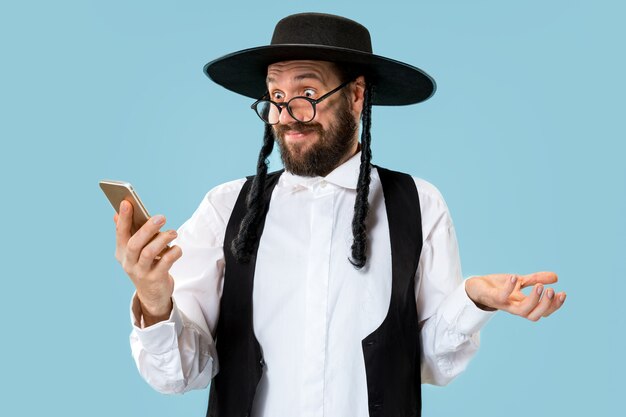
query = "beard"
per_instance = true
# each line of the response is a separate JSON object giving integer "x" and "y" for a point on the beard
{"x": 326, "y": 153}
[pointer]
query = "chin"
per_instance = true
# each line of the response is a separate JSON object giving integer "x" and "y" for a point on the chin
{"x": 300, "y": 148}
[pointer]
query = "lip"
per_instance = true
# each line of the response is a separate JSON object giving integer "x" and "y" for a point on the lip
{"x": 295, "y": 135}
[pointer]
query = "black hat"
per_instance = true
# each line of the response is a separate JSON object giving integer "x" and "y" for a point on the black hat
{"x": 322, "y": 37}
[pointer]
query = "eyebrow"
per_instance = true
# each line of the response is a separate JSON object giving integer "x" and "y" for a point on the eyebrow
{"x": 300, "y": 77}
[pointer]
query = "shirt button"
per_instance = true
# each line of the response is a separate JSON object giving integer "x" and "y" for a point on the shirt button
{"x": 323, "y": 184}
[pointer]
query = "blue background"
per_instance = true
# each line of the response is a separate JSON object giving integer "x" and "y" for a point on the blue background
{"x": 523, "y": 138}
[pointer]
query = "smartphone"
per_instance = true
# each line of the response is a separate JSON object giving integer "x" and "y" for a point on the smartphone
{"x": 118, "y": 191}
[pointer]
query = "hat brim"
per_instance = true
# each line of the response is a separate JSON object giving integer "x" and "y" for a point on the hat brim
{"x": 396, "y": 83}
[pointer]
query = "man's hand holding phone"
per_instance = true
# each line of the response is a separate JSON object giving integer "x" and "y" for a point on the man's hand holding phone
{"x": 146, "y": 259}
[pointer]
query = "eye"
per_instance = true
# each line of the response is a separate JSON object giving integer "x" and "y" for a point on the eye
{"x": 309, "y": 92}
{"x": 278, "y": 96}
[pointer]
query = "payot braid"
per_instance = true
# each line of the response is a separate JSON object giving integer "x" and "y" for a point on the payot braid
{"x": 361, "y": 205}
{"x": 244, "y": 242}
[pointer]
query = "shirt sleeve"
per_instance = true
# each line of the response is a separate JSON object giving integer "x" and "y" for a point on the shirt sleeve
{"x": 178, "y": 355}
{"x": 173, "y": 356}
{"x": 449, "y": 319}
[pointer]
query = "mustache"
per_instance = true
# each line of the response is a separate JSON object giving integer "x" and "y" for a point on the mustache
{"x": 299, "y": 127}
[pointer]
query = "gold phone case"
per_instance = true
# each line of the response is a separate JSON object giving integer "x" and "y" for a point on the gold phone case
{"x": 117, "y": 191}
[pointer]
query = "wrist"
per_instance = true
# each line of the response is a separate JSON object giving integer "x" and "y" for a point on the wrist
{"x": 152, "y": 314}
{"x": 484, "y": 307}
{"x": 469, "y": 290}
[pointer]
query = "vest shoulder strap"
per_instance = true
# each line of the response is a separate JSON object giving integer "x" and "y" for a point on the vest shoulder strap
{"x": 391, "y": 352}
{"x": 240, "y": 356}
{"x": 403, "y": 214}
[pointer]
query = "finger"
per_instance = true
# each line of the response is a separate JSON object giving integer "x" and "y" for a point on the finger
{"x": 543, "y": 306}
{"x": 150, "y": 252}
{"x": 557, "y": 303}
{"x": 530, "y": 302}
{"x": 123, "y": 224}
{"x": 144, "y": 235}
{"x": 115, "y": 217}
{"x": 538, "y": 278}
{"x": 168, "y": 258}
{"x": 508, "y": 289}
{"x": 517, "y": 295}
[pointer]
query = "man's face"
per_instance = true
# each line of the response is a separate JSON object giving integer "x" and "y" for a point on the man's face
{"x": 319, "y": 146}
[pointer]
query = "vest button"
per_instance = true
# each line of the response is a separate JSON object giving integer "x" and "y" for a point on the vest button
{"x": 262, "y": 363}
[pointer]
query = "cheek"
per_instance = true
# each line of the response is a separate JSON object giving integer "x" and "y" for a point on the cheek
{"x": 324, "y": 124}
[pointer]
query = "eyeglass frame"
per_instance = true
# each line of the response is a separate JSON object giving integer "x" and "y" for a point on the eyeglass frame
{"x": 285, "y": 104}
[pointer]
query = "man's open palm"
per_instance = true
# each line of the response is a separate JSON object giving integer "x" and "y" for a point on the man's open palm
{"x": 504, "y": 292}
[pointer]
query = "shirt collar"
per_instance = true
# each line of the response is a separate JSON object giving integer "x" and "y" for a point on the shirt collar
{"x": 345, "y": 175}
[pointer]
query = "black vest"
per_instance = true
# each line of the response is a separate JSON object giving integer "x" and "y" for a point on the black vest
{"x": 391, "y": 353}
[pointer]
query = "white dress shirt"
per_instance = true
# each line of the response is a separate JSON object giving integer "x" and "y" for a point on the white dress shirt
{"x": 311, "y": 307}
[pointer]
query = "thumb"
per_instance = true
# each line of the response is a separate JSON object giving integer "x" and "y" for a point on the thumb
{"x": 544, "y": 277}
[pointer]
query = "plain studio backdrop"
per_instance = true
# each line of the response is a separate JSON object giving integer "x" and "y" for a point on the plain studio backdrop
{"x": 524, "y": 138}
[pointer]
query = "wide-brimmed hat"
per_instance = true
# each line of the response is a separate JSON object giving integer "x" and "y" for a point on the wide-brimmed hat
{"x": 322, "y": 37}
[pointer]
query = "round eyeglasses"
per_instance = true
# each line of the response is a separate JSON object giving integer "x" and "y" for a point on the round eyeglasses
{"x": 300, "y": 108}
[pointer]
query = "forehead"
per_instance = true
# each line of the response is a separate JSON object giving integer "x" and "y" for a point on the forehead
{"x": 288, "y": 71}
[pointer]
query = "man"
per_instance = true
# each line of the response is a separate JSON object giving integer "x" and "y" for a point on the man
{"x": 332, "y": 289}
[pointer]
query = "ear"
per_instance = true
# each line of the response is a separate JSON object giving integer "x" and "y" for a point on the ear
{"x": 357, "y": 97}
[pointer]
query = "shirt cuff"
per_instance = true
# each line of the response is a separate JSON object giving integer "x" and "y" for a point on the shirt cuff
{"x": 460, "y": 310}
{"x": 161, "y": 337}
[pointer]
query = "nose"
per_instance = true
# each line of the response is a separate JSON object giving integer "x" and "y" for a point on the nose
{"x": 285, "y": 118}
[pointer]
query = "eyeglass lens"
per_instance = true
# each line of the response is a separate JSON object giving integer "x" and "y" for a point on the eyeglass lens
{"x": 301, "y": 110}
